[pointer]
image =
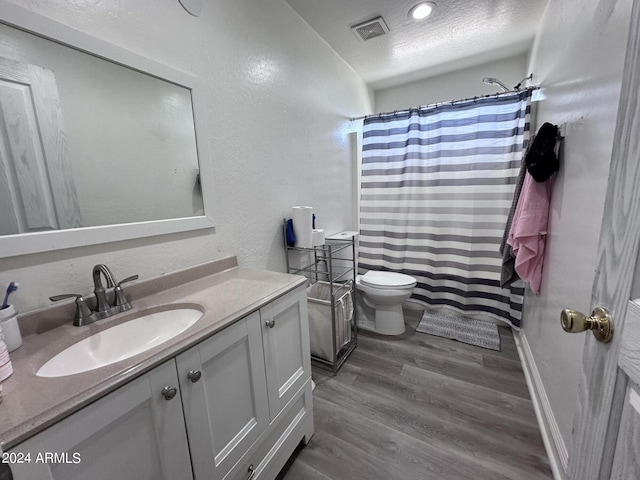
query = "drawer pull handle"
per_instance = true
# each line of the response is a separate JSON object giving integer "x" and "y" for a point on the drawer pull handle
{"x": 252, "y": 472}
{"x": 169, "y": 392}
{"x": 194, "y": 375}
{"x": 270, "y": 323}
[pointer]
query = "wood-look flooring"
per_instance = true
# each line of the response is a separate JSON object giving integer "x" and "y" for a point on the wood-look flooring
{"x": 420, "y": 407}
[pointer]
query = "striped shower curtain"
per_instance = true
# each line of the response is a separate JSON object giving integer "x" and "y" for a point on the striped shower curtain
{"x": 437, "y": 185}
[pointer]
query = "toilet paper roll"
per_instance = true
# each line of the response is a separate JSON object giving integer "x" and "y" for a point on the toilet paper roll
{"x": 302, "y": 226}
{"x": 317, "y": 237}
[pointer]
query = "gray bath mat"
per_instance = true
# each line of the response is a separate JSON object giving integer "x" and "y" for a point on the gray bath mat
{"x": 466, "y": 330}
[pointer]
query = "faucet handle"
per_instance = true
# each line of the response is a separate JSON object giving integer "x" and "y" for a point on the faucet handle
{"x": 128, "y": 279}
{"x": 82, "y": 309}
{"x": 120, "y": 298}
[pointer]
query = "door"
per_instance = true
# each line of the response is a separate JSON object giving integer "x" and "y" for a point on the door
{"x": 603, "y": 385}
{"x": 136, "y": 432}
{"x": 224, "y": 395}
{"x": 626, "y": 462}
{"x": 37, "y": 192}
{"x": 285, "y": 333}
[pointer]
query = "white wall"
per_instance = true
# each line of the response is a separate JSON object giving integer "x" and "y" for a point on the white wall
{"x": 577, "y": 58}
{"x": 462, "y": 83}
{"x": 278, "y": 100}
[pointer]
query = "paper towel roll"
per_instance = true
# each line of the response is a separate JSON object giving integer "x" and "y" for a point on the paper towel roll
{"x": 302, "y": 226}
{"x": 317, "y": 237}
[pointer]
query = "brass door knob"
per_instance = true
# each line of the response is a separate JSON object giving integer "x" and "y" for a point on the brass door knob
{"x": 600, "y": 323}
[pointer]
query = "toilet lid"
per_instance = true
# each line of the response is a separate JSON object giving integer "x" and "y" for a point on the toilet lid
{"x": 387, "y": 279}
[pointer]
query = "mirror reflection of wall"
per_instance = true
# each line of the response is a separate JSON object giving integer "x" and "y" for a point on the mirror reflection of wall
{"x": 130, "y": 137}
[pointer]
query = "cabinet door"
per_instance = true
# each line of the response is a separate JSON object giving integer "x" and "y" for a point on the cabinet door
{"x": 285, "y": 333}
{"x": 133, "y": 433}
{"x": 224, "y": 395}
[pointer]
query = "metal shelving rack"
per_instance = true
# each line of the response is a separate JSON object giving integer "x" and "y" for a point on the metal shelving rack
{"x": 322, "y": 264}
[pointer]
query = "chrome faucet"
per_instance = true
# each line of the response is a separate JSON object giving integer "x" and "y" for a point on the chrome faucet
{"x": 103, "y": 308}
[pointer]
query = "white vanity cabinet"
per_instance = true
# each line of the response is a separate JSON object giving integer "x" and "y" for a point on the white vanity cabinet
{"x": 242, "y": 397}
{"x": 236, "y": 384}
{"x": 134, "y": 432}
{"x": 224, "y": 397}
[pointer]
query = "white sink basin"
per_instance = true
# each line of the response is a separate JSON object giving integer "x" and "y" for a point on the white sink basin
{"x": 120, "y": 342}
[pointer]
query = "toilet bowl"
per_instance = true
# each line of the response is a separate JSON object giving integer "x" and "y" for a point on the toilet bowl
{"x": 379, "y": 298}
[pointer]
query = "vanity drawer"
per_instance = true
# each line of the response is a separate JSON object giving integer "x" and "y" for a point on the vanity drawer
{"x": 272, "y": 450}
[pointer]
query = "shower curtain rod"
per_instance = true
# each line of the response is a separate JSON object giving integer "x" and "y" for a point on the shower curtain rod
{"x": 431, "y": 105}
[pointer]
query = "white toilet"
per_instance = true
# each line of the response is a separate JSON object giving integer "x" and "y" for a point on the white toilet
{"x": 379, "y": 298}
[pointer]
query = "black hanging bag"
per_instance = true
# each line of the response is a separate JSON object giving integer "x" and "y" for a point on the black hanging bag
{"x": 541, "y": 160}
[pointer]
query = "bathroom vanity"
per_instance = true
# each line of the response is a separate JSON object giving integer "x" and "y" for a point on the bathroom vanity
{"x": 229, "y": 398}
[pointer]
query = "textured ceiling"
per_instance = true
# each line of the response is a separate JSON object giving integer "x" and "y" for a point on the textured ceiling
{"x": 459, "y": 34}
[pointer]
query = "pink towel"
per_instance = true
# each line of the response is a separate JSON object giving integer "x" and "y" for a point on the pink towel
{"x": 529, "y": 229}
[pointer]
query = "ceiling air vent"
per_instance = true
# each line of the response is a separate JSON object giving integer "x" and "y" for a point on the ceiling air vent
{"x": 370, "y": 29}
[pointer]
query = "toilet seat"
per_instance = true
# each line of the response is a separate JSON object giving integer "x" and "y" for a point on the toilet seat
{"x": 387, "y": 280}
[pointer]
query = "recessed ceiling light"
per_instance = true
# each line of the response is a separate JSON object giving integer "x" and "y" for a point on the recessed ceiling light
{"x": 421, "y": 10}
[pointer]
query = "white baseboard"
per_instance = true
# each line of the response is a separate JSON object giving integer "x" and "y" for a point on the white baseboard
{"x": 553, "y": 441}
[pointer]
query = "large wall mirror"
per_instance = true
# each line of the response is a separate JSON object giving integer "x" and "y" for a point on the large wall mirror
{"x": 97, "y": 144}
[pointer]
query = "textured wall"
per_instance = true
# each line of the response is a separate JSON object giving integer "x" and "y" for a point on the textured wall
{"x": 577, "y": 58}
{"x": 277, "y": 100}
{"x": 462, "y": 83}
